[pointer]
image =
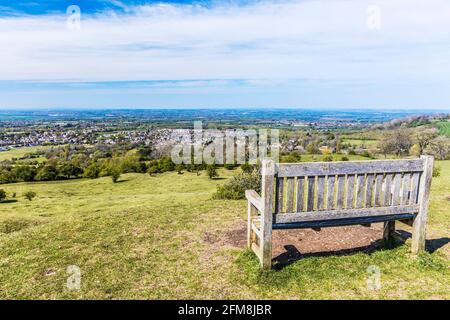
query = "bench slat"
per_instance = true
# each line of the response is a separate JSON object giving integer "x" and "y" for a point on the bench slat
{"x": 350, "y": 191}
{"x": 345, "y": 214}
{"x": 349, "y": 167}
{"x": 279, "y": 195}
{"x": 406, "y": 187}
{"x": 300, "y": 194}
{"x": 360, "y": 188}
{"x": 378, "y": 189}
{"x": 290, "y": 195}
{"x": 369, "y": 190}
{"x": 330, "y": 192}
{"x": 340, "y": 192}
{"x": 396, "y": 196}
{"x": 387, "y": 189}
{"x": 310, "y": 195}
{"x": 320, "y": 193}
{"x": 414, "y": 188}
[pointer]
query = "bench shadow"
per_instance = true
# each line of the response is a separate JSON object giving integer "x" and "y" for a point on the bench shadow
{"x": 8, "y": 201}
{"x": 292, "y": 254}
{"x": 431, "y": 245}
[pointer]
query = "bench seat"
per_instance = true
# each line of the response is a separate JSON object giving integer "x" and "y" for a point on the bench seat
{"x": 342, "y": 222}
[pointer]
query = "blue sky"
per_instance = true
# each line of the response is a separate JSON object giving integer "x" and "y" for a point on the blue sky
{"x": 387, "y": 54}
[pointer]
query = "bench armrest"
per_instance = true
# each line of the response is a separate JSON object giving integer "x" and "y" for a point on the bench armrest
{"x": 254, "y": 199}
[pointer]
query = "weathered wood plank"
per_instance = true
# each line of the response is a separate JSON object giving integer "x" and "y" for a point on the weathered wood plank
{"x": 249, "y": 223}
{"x": 255, "y": 230}
{"x": 350, "y": 191}
{"x": 290, "y": 195}
{"x": 349, "y": 167}
{"x": 396, "y": 195}
{"x": 279, "y": 190}
{"x": 300, "y": 194}
{"x": 254, "y": 199}
{"x": 340, "y": 192}
{"x": 406, "y": 188}
{"x": 378, "y": 189}
{"x": 257, "y": 250}
{"x": 342, "y": 222}
{"x": 387, "y": 197}
{"x": 420, "y": 222}
{"x": 413, "y": 197}
{"x": 369, "y": 190}
{"x": 267, "y": 194}
{"x": 320, "y": 193}
{"x": 310, "y": 194}
{"x": 330, "y": 192}
{"x": 360, "y": 190}
{"x": 344, "y": 213}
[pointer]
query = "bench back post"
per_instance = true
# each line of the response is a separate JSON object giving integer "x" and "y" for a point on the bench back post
{"x": 267, "y": 194}
{"x": 419, "y": 224}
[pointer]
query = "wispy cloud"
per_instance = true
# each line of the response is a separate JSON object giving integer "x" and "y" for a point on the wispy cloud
{"x": 257, "y": 42}
{"x": 318, "y": 39}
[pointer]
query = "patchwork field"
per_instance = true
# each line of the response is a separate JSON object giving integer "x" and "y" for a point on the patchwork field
{"x": 163, "y": 237}
{"x": 20, "y": 152}
{"x": 444, "y": 128}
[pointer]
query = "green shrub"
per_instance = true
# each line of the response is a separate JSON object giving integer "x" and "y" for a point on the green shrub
{"x": 211, "y": 171}
{"x": 235, "y": 187}
{"x": 436, "y": 171}
{"x": 115, "y": 175}
{"x": 229, "y": 166}
{"x": 92, "y": 171}
{"x": 328, "y": 158}
{"x": 246, "y": 168}
{"x": 2, "y": 194}
{"x": 292, "y": 157}
{"x": 366, "y": 154}
{"x": 344, "y": 158}
{"x": 29, "y": 195}
{"x": 179, "y": 168}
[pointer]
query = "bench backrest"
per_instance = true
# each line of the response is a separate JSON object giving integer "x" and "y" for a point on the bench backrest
{"x": 334, "y": 190}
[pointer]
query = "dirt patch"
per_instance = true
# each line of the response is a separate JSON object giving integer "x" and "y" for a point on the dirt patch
{"x": 293, "y": 243}
{"x": 211, "y": 238}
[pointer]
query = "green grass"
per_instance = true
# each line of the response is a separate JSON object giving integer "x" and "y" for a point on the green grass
{"x": 336, "y": 157}
{"x": 20, "y": 152}
{"x": 444, "y": 128}
{"x": 359, "y": 142}
{"x": 163, "y": 237}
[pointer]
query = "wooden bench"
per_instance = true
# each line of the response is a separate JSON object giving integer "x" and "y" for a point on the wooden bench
{"x": 328, "y": 194}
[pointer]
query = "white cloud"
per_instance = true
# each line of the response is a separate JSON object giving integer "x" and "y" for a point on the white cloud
{"x": 321, "y": 39}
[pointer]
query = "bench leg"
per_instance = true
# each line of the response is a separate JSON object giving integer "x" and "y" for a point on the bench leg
{"x": 418, "y": 235}
{"x": 420, "y": 221}
{"x": 388, "y": 230}
{"x": 266, "y": 248}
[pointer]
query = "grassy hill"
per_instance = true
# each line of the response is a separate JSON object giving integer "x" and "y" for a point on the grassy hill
{"x": 444, "y": 128}
{"x": 163, "y": 237}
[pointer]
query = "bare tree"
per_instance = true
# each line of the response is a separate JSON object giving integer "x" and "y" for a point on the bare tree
{"x": 440, "y": 147}
{"x": 396, "y": 142}
{"x": 424, "y": 137}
